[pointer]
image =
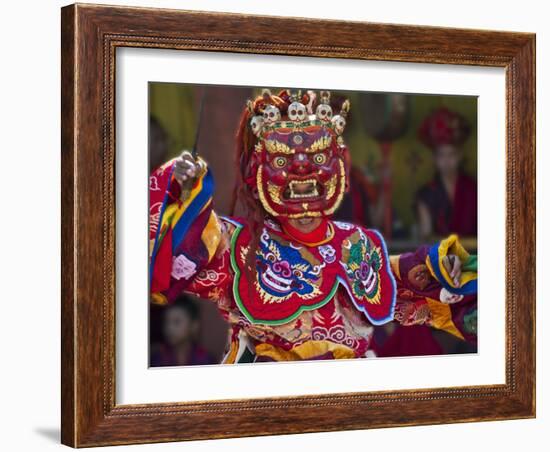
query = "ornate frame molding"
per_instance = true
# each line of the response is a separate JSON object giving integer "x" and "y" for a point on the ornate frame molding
{"x": 90, "y": 37}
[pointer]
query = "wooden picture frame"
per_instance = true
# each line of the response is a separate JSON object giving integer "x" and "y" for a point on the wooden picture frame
{"x": 90, "y": 36}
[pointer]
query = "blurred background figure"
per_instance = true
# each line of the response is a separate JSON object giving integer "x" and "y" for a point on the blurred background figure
{"x": 385, "y": 118}
{"x": 361, "y": 205}
{"x": 448, "y": 203}
{"x": 180, "y": 330}
{"x": 159, "y": 144}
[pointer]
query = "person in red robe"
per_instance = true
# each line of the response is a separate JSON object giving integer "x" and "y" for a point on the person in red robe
{"x": 448, "y": 203}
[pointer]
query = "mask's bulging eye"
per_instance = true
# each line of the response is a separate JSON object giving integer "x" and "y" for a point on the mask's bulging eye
{"x": 319, "y": 159}
{"x": 279, "y": 162}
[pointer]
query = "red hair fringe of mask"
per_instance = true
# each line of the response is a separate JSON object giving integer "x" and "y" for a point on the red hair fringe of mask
{"x": 242, "y": 192}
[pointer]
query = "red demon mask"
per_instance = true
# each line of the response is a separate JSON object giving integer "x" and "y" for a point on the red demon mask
{"x": 298, "y": 165}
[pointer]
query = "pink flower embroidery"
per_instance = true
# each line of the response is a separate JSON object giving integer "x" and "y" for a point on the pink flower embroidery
{"x": 153, "y": 184}
{"x": 182, "y": 267}
{"x": 154, "y": 216}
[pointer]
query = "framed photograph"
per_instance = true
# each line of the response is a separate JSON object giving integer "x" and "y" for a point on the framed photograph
{"x": 282, "y": 225}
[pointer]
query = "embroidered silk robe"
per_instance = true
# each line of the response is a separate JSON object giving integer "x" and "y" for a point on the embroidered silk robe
{"x": 293, "y": 300}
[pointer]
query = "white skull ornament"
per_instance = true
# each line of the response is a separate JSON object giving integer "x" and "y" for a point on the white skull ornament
{"x": 271, "y": 114}
{"x": 339, "y": 124}
{"x": 296, "y": 111}
{"x": 256, "y": 124}
{"x": 323, "y": 112}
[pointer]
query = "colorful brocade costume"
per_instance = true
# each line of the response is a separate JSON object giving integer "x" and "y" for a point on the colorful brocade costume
{"x": 305, "y": 296}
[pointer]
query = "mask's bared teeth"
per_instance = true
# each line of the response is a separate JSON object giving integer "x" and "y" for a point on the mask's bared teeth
{"x": 302, "y": 189}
